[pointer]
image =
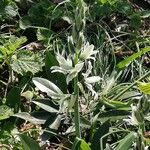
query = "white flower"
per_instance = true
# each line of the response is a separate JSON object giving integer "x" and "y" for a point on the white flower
{"x": 87, "y": 52}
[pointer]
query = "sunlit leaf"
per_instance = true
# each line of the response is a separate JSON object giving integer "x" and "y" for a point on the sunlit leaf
{"x": 129, "y": 59}
{"x": 46, "y": 105}
{"x": 144, "y": 87}
{"x": 5, "y": 112}
{"x": 31, "y": 118}
{"x": 126, "y": 142}
{"x": 80, "y": 144}
{"x": 26, "y": 61}
{"x": 48, "y": 87}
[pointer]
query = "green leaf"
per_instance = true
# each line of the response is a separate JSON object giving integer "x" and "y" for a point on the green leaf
{"x": 46, "y": 105}
{"x": 13, "y": 98}
{"x": 144, "y": 87}
{"x": 25, "y": 23}
{"x": 44, "y": 35}
{"x": 113, "y": 115}
{"x": 5, "y": 112}
{"x": 80, "y": 144}
{"x": 26, "y": 61}
{"x": 135, "y": 20}
{"x": 39, "y": 118}
{"x": 127, "y": 142}
{"x": 48, "y": 87}
{"x": 101, "y": 131}
{"x": 28, "y": 143}
{"x": 128, "y": 60}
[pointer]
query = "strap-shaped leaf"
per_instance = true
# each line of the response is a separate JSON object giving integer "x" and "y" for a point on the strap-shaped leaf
{"x": 113, "y": 115}
{"x": 46, "y": 105}
{"x": 28, "y": 143}
{"x": 128, "y": 60}
{"x": 80, "y": 144}
{"x": 48, "y": 87}
{"x": 31, "y": 118}
{"x": 126, "y": 142}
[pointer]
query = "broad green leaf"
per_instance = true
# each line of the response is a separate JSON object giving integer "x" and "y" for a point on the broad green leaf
{"x": 101, "y": 131}
{"x": 46, "y": 105}
{"x": 26, "y": 61}
{"x": 48, "y": 87}
{"x": 13, "y": 98}
{"x": 144, "y": 87}
{"x": 126, "y": 142}
{"x": 129, "y": 59}
{"x": 31, "y": 118}
{"x": 5, "y": 112}
{"x": 135, "y": 20}
{"x": 28, "y": 143}
{"x": 80, "y": 144}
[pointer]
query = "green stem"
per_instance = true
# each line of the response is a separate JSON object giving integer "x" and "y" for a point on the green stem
{"x": 126, "y": 89}
{"x": 76, "y": 105}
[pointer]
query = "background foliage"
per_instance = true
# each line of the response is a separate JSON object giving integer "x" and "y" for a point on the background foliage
{"x": 53, "y": 53}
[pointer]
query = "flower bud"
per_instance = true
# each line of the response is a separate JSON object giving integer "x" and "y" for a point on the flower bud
{"x": 80, "y": 41}
{"x": 70, "y": 44}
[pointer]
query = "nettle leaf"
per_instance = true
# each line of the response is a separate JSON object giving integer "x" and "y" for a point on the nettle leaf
{"x": 126, "y": 142}
{"x": 11, "y": 45}
{"x": 144, "y": 87}
{"x": 26, "y": 61}
{"x": 74, "y": 72}
{"x": 28, "y": 143}
{"x": 48, "y": 87}
{"x": 5, "y": 112}
{"x": 129, "y": 59}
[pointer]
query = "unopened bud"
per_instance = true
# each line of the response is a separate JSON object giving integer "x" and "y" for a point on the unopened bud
{"x": 80, "y": 41}
{"x": 70, "y": 44}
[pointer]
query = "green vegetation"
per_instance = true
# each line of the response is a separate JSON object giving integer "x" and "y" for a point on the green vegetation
{"x": 74, "y": 75}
